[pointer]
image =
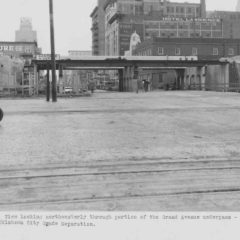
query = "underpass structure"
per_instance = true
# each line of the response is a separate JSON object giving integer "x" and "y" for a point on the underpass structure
{"x": 128, "y": 67}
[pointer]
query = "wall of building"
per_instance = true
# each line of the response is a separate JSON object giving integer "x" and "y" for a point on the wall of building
{"x": 98, "y": 29}
{"x": 203, "y": 48}
{"x": 10, "y": 73}
{"x": 13, "y": 79}
{"x": 26, "y": 33}
{"x": 148, "y": 18}
{"x": 230, "y": 20}
{"x": 238, "y": 6}
{"x": 183, "y": 28}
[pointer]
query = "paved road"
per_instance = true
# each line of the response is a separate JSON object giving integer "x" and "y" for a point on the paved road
{"x": 122, "y": 151}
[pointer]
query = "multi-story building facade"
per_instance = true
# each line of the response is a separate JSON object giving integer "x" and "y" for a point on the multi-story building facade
{"x": 98, "y": 29}
{"x": 183, "y": 28}
{"x": 18, "y": 54}
{"x": 194, "y": 78}
{"x": 203, "y": 48}
{"x": 154, "y": 18}
{"x": 26, "y": 32}
{"x": 79, "y": 53}
{"x": 230, "y": 22}
{"x": 238, "y": 6}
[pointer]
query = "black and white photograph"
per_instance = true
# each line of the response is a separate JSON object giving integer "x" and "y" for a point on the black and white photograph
{"x": 119, "y": 106}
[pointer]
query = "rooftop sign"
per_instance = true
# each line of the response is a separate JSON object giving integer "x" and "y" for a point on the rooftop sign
{"x": 192, "y": 19}
{"x": 22, "y": 48}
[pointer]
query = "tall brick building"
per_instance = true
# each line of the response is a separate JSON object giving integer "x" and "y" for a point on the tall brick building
{"x": 238, "y": 6}
{"x": 203, "y": 48}
{"x": 153, "y": 19}
{"x": 98, "y": 29}
{"x": 230, "y": 22}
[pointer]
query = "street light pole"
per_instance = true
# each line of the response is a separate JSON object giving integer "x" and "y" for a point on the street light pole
{"x": 54, "y": 85}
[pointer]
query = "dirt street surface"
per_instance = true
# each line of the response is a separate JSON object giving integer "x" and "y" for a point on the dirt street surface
{"x": 158, "y": 151}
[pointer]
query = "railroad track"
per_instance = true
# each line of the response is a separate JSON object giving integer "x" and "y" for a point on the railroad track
{"x": 137, "y": 184}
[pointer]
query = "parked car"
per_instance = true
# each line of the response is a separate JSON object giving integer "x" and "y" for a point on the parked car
{"x": 68, "y": 90}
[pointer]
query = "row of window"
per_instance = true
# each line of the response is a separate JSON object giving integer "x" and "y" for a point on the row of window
{"x": 191, "y": 25}
{"x": 215, "y": 51}
{"x": 205, "y": 34}
{"x": 183, "y": 9}
{"x": 161, "y": 51}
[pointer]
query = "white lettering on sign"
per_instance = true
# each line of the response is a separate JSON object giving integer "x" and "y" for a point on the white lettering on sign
{"x": 47, "y": 57}
{"x": 191, "y": 19}
{"x": 17, "y": 48}
{"x": 28, "y": 50}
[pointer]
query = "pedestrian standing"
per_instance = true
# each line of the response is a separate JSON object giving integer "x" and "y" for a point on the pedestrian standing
{"x": 91, "y": 86}
{"x": 145, "y": 85}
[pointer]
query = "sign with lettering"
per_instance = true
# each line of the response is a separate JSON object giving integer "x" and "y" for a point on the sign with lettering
{"x": 47, "y": 57}
{"x": 16, "y": 48}
{"x": 192, "y": 19}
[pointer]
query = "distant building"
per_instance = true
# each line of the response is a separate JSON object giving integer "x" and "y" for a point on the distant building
{"x": 194, "y": 77}
{"x": 98, "y": 29}
{"x": 10, "y": 73}
{"x": 230, "y": 22}
{"x": 204, "y": 48}
{"x": 183, "y": 28}
{"x": 15, "y": 79}
{"x": 238, "y": 6}
{"x": 22, "y": 49}
{"x": 152, "y": 18}
{"x": 25, "y": 33}
{"x": 79, "y": 53}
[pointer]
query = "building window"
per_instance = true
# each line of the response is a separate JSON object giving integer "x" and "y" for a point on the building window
{"x": 215, "y": 51}
{"x": 194, "y": 51}
{"x": 177, "y": 51}
{"x": 230, "y": 51}
{"x": 149, "y": 52}
{"x": 160, "y": 51}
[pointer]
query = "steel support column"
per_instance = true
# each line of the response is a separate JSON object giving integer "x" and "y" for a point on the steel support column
{"x": 121, "y": 80}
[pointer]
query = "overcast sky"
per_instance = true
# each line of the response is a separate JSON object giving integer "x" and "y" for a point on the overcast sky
{"x": 71, "y": 17}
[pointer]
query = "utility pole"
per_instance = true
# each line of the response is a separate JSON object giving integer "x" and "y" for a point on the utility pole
{"x": 48, "y": 86}
{"x": 53, "y": 61}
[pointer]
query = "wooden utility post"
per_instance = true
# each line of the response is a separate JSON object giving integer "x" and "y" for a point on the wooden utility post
{"x": 48, "y": 86}
{"x": 53, "y": 61}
